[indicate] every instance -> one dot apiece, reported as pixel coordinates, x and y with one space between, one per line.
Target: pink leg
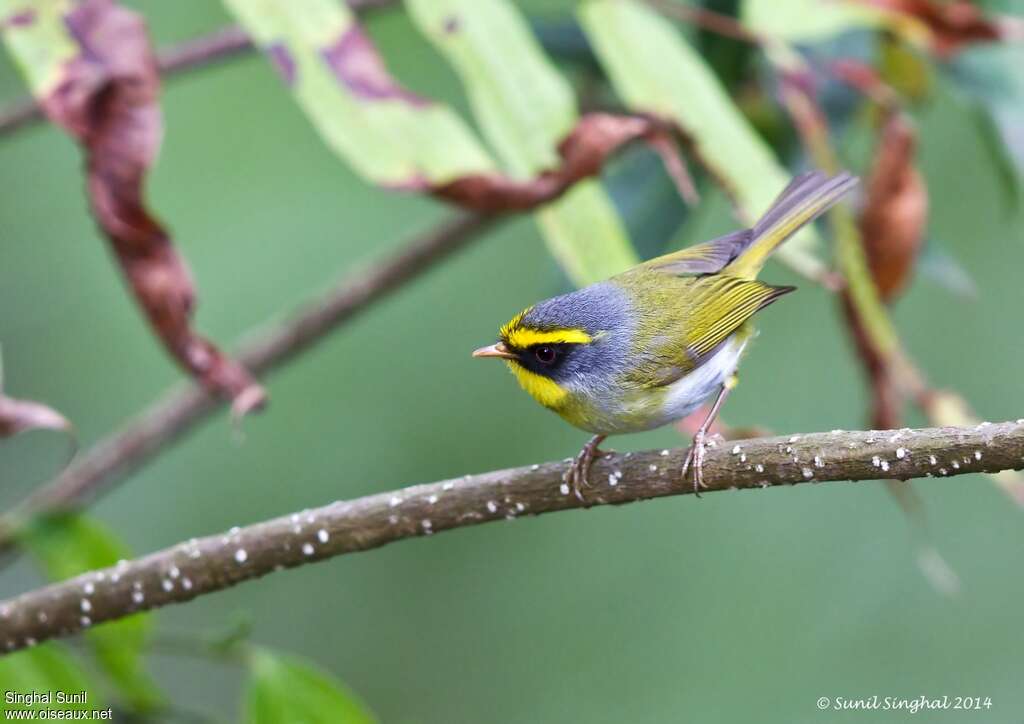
695 457
577 474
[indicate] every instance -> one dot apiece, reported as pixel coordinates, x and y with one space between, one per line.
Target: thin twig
202 566
185 405
223 44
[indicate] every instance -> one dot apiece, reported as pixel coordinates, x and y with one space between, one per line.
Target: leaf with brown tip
594 139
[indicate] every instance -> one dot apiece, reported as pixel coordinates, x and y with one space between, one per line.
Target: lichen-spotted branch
183 407
201 566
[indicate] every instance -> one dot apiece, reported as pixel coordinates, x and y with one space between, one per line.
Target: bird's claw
577 476
695 460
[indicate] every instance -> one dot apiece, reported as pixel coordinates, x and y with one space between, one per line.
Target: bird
649 346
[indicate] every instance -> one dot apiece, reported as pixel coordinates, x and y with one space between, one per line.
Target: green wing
685 320
722 305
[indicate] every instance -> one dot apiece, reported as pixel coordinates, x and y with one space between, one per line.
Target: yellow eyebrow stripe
521 337
512 324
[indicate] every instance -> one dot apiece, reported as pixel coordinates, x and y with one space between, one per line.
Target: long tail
806 198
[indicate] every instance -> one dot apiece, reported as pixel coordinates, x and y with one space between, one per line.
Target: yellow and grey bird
649 346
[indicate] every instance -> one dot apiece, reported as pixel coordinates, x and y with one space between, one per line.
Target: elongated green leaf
809 20
38 41
284 689
46 670
656 71
525 107
68 545
391 136
647 200
991 87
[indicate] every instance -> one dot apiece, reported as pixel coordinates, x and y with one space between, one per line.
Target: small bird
648 346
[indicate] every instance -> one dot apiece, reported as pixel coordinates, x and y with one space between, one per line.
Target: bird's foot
578 474
694 461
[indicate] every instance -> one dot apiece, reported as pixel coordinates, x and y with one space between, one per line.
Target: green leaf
655 71
809 20
991 89
996 132
285 689
44 669
647 200
389 135
525 108
39 42
67 545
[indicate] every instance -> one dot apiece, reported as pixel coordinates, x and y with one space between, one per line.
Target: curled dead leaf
107 99
950 25
22 415
895 214
594 139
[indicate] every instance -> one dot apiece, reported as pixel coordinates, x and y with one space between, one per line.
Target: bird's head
561 344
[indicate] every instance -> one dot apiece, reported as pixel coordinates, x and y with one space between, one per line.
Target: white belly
688 393
612 415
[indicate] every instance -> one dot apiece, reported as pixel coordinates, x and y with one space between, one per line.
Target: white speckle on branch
508 492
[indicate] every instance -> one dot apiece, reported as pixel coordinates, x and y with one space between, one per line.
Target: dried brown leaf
594 139
108 100
22 415
895 214
951 25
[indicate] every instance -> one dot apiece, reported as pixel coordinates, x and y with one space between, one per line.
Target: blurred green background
735 607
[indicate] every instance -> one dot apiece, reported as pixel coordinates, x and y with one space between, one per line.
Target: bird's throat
543 389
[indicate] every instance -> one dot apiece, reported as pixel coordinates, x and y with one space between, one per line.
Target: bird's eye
545 355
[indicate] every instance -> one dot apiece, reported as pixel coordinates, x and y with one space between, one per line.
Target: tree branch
201 566
184 406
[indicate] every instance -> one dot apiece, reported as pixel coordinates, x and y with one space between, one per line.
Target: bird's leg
695 456
577 474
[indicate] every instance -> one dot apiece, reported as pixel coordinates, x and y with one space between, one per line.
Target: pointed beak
494 350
